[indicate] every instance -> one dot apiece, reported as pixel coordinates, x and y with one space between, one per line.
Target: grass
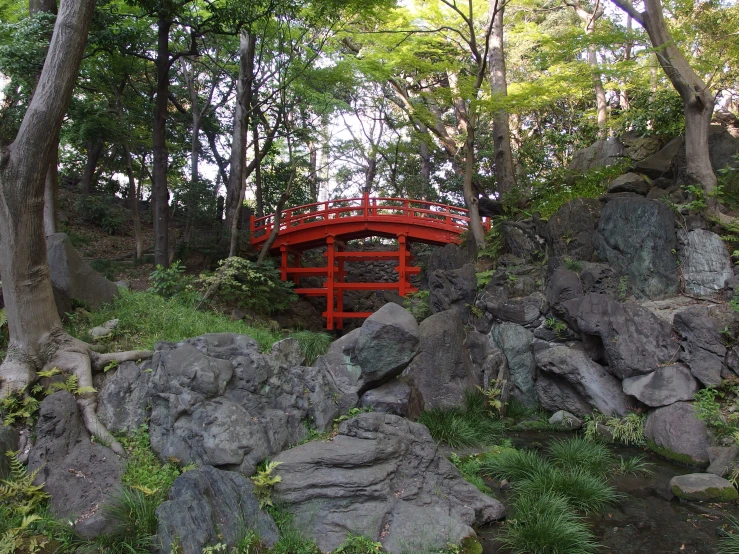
471 425
627 430
312 344
584 492
580 453
636 465
729 543
514 465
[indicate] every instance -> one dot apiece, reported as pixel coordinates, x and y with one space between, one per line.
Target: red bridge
333 223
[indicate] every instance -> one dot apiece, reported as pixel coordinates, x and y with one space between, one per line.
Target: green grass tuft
583 491
514 465
312 344
581 453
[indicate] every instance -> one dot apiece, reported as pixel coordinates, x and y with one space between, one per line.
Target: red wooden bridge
333 223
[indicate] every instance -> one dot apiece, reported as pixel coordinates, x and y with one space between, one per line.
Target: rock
452 289
217 400
388 341
520 239
123 397
664 386
635 340
341 364
676 433
703 349
78 474
629 182
522 311
301 314
660 164
637 238
288 352
448 258
599 278
562 286
208 506
491 361
602 153
104 330
638 148
396 397
565 419
8 443
703 486
569 231
554 394
723 459
704 261
515 342
381 477
601 390
73 279
722 147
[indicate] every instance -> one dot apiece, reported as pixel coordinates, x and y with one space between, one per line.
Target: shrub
312 344
170 281
418 305
102 211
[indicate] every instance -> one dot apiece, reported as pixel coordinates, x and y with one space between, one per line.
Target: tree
37 338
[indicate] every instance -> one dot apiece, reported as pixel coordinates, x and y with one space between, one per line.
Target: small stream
649 520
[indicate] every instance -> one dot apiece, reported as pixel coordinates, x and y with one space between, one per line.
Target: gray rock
562 286
569 231
381 477
217 400
388 341
104 330
288 352
77 473
396 397
602 153
660 164
635 340
554 394
341 364
515 342
207 506
703 486
522 311
442 371
599 278
723 459
704 261
73 279
703 349
448 258
124 396
521 240
629 182
678 434
8 443
601 390
636 236
664 386
452 289
565 419
638 148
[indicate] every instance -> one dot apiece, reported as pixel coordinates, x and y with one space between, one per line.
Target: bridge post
297 258
330 283
283 262
340 274
401 265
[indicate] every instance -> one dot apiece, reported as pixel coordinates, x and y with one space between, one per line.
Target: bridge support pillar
330 281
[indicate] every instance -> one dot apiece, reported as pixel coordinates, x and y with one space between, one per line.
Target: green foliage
102 211
557 325
312 344
18 491
471 425
249 285
264 481
291 540
483 278
470 467
18 407
623 288
135 524
418 304
355 544
514 465
635 465
493 244
573 265
628 430
171 281
713 406
728 183
580 453
729 543
654 113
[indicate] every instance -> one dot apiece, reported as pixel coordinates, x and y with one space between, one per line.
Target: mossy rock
703 486
470 545
676 457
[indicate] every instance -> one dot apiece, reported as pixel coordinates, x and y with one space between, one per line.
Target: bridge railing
420 212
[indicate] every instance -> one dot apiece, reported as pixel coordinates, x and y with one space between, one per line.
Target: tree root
71 356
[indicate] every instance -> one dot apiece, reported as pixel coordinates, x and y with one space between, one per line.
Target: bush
102 211
418 305
172 282
583 491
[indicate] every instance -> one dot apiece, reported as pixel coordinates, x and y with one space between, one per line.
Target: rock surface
381 477
602 153
452 289
703 486
207 506
704 261
678 434
555 393
723 459
123 397
660 164
515 342
78 474
569 231
566 420
563 285
396 397
664 386
8 443
637 238
629 182
702 348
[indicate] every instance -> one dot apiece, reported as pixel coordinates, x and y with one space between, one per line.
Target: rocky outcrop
217 400
207 506
703 486
80 475
637 238
341 363
521 240
702 348
555 393
396 397
602 153
635 340
452 289
629 182
522 311
598 388
515 342
123 397
676 433
383 478
704 262
562 286
723 459
662 387
569 231
659 164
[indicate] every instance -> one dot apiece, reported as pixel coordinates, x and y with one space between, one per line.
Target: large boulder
123 397
217 400
563 285
629 182
80 475
381 477
569 231
637 238
702 348
342 365
515 342
8 443
704 261
396 397
388 341
208 506
639 148
659 164
635 341
664 386
452 289
448 258
601 390
602 153
677 434
522 311
72 278
703 486
442 371
521 240
555 394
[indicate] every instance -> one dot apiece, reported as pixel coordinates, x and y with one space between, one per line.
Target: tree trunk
313 171
257 171
51 191
94 149
600 93
505 175
133 198
425 152
160 191
470 197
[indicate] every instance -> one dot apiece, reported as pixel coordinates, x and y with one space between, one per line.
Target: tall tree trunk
313 171
134 200
425 153
258 192
237 173
160 191
470 196
94 149
505 175
51 191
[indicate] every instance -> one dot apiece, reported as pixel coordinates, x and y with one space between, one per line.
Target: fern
18 406
19 491
3 318
70 385
15 539
263 483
